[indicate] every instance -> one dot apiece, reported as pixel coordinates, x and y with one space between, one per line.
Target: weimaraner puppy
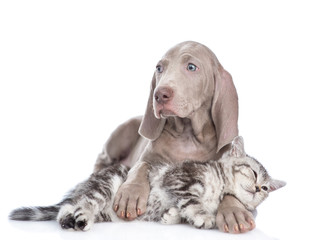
191 115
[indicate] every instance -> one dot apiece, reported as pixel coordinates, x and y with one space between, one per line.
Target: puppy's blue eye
159 68
192 67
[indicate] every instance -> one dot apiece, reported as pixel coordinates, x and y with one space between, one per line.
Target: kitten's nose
258 188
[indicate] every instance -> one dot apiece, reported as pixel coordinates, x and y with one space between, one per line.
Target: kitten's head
248 180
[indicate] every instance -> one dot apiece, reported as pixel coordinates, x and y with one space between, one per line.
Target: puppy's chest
185 149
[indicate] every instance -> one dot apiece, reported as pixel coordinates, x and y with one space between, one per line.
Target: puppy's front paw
235 220
131 200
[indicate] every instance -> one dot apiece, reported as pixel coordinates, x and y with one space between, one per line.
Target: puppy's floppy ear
151 127
224 107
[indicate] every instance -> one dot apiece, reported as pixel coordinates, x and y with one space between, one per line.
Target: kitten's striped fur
190 192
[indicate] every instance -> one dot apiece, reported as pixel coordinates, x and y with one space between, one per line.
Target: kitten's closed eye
246 171
255 174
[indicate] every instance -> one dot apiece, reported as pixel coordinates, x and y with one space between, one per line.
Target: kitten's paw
83 222
67 222
204 221
74 219
172 216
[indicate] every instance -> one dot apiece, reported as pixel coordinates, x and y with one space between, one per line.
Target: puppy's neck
198 125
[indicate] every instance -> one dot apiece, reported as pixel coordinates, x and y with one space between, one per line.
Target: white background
71 71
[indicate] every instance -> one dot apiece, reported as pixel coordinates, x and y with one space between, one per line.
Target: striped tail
35 213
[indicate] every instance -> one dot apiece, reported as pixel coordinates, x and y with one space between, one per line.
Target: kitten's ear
276 184
237 148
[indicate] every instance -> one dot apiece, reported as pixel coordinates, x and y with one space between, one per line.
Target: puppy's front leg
131 198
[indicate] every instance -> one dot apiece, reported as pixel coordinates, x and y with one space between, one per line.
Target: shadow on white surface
128 230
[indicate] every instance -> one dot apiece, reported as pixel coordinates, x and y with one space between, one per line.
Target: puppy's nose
163 95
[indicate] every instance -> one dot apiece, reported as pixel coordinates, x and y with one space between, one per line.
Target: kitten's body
190 191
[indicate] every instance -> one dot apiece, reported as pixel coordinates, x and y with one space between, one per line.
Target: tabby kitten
190 192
